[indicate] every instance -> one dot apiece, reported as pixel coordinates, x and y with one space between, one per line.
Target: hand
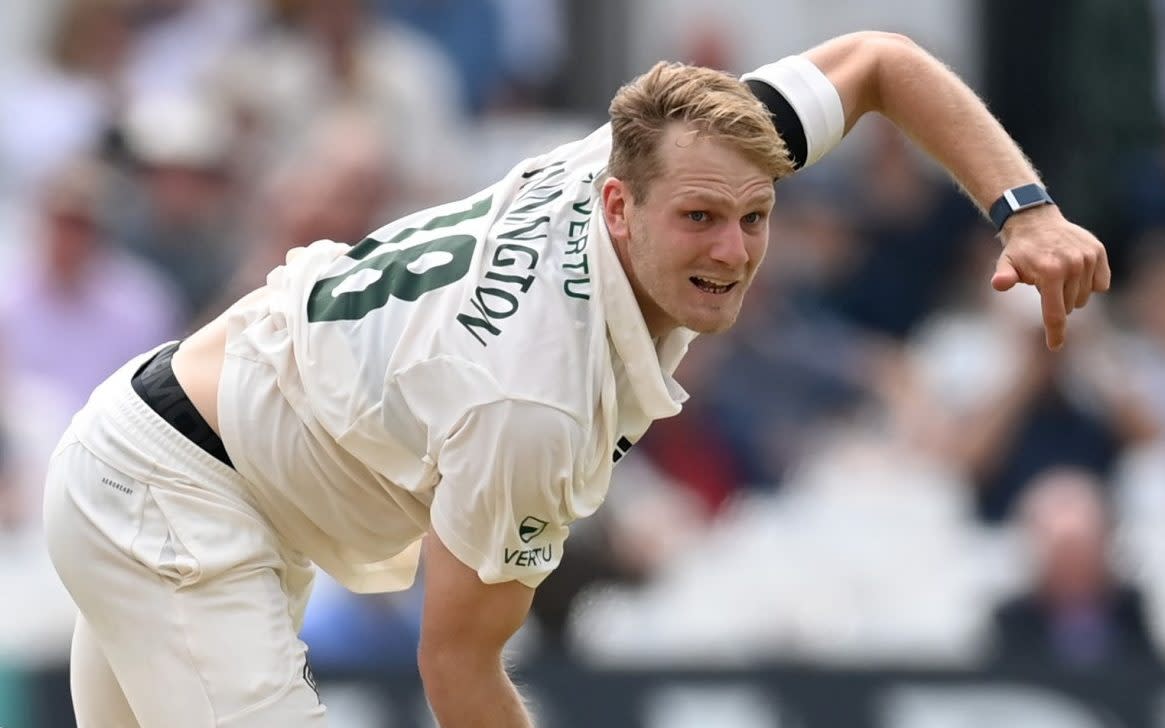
1065 262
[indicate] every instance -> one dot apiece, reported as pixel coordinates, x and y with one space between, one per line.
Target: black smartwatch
1018 199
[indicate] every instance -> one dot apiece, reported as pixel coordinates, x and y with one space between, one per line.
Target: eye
752 218
698 216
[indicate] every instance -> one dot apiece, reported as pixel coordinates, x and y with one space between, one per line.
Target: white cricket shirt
475 368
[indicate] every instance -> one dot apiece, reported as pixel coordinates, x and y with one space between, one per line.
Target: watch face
1028 195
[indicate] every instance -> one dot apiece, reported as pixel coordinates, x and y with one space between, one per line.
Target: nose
729 248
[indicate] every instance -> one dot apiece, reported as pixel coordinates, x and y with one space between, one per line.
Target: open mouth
708 286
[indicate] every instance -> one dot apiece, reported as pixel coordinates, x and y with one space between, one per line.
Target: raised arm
465 626
892 75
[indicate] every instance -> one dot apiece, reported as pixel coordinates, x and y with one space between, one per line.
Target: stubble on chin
717 323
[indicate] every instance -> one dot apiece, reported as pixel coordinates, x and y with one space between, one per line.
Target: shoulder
517 437
805 106
522 421
457 397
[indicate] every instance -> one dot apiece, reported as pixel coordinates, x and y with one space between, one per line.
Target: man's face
691 247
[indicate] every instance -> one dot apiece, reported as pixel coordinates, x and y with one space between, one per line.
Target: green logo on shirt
530 528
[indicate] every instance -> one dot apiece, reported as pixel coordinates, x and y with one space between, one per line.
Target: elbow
899 39
881 42
888 59
439 679
890 52
439 674
434 664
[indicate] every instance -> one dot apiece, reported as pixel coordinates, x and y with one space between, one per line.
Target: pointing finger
1055 316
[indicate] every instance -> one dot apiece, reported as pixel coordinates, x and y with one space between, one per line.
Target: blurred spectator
13 513
1077 612
180 41
23 26
1139 355
336 186
65 105
708 42
178 212
825 571
337 54
508 53
647 520
696 450
78 308
470 33
1069 52
534 48
992 399
914 227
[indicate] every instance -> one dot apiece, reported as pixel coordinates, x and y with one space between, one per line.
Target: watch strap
1018 199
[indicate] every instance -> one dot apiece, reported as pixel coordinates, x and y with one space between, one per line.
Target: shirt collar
649 366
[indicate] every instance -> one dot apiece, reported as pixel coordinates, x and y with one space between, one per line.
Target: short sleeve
818 112
502 503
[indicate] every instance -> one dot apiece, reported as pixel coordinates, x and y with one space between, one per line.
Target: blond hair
713 102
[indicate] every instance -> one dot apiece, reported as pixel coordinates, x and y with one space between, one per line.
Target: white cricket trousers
189 604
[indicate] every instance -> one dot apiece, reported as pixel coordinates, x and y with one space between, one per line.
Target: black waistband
156 384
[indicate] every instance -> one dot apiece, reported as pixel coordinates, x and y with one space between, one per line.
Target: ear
616 198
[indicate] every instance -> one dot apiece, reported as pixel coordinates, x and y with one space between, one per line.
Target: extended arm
892 75
500 518
465 626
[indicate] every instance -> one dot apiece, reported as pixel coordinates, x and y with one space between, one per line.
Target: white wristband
812 96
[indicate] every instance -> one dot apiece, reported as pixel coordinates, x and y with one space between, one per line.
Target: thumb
1005 275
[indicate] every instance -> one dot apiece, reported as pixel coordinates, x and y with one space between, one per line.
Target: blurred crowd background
881 464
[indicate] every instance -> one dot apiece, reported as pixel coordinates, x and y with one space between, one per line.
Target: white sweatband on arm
812 96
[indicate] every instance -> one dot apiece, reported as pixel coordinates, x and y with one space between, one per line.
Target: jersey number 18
402 273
